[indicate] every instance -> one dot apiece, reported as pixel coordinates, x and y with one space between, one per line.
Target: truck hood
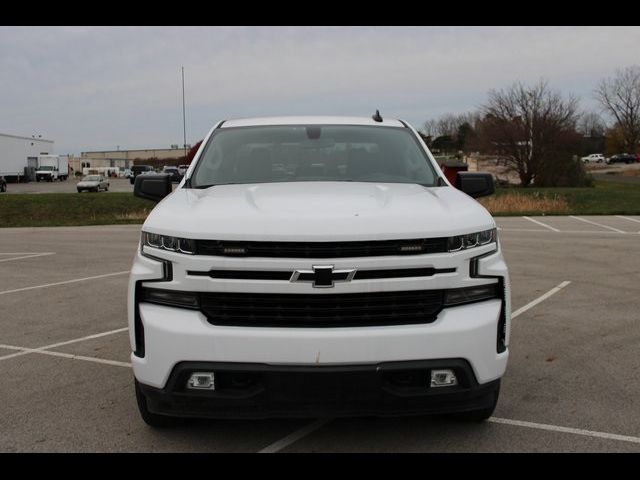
317 211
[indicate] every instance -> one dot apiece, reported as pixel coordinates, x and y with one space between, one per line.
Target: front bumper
174 335
170 336
264 391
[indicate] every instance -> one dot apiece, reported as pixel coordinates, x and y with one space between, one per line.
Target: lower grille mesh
322 310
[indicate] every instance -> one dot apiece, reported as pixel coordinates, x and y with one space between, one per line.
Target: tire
153 419
478 415
132 180
96 190
106 189
79 191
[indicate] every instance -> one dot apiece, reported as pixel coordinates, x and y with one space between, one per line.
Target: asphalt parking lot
572 383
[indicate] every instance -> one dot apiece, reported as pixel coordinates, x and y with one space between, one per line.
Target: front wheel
152 419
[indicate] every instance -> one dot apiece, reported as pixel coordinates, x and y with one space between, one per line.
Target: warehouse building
19 156
124 158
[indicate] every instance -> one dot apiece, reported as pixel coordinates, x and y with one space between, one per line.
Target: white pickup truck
317 266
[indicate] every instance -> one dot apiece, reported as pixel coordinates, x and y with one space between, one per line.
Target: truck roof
310 120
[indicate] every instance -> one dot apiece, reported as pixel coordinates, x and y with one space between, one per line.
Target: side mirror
475 184
152 187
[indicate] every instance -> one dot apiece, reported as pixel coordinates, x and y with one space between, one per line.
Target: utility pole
184 121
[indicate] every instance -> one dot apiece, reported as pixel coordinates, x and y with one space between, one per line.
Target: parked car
173 172
183 169
3 185
93 183
358 279
137 170
594 158
622 158
127 173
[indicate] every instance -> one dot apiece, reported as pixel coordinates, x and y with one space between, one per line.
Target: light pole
184 121
530 105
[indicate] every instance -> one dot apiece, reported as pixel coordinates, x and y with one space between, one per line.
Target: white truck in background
52 167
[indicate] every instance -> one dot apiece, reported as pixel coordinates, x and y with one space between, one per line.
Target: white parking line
295 436
597 224
628 218
20 253
25 350
531 230
541 298
542 224
24 289
24 255
574 431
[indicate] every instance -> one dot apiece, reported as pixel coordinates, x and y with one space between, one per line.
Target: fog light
443 378
201 381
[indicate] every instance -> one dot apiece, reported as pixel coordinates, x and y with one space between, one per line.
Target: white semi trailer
19 156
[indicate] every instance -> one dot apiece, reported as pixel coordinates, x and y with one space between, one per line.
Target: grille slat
313 310
321 249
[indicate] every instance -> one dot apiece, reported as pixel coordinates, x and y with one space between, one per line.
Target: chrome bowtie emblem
323 276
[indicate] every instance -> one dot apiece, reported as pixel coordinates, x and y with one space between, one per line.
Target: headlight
470 240
166 242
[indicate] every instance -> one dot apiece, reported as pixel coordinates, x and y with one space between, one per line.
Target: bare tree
448 124
532 126
430 128
591 125
454 130
620 97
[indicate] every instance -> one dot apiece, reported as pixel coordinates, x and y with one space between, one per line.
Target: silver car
93 183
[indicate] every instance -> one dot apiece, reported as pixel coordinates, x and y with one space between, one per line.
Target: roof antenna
376 117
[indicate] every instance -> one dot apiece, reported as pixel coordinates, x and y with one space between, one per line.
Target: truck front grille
325 310
417 246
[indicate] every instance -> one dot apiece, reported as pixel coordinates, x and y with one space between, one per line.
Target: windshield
301 153
91 178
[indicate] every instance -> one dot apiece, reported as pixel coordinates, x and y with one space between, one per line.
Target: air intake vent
342 310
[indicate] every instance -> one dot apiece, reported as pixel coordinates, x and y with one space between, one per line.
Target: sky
97 88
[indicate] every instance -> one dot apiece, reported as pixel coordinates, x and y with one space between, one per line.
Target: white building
19 155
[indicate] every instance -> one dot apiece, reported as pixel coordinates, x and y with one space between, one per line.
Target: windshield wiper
209 185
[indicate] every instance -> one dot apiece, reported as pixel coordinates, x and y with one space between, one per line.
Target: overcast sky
94 88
